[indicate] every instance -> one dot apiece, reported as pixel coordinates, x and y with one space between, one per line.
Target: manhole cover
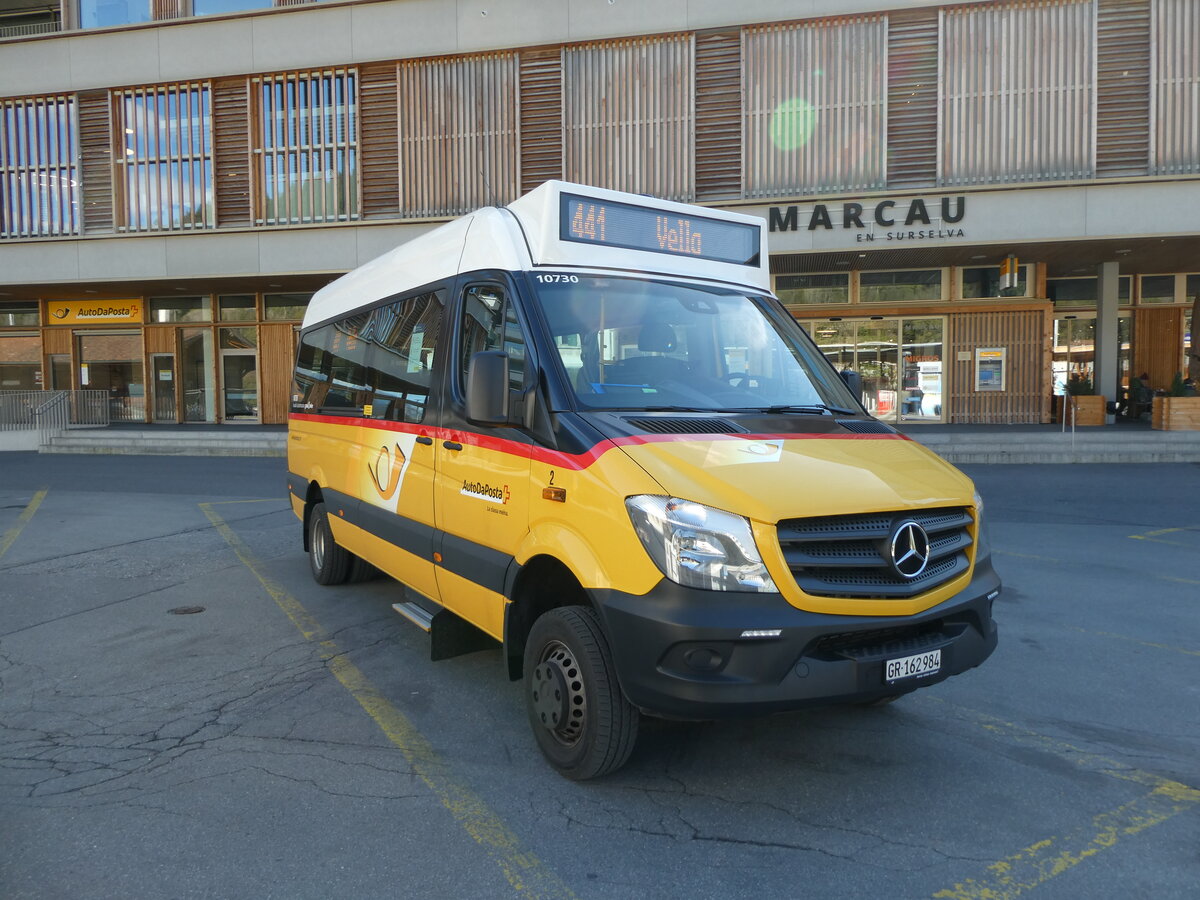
186 610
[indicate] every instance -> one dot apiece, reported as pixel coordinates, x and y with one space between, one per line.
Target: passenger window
403 338
374 364
491 324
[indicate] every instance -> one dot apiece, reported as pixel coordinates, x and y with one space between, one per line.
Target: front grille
850 556
866 426
665 425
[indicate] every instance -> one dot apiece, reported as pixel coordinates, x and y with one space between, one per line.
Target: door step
418 615
449 635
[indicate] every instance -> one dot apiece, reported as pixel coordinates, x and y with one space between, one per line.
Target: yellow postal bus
581 426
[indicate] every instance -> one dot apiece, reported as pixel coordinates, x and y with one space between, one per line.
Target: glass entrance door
899 359
239 385
162 375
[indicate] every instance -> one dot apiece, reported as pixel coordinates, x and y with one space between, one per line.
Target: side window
331 378
489 323
373 364
403 338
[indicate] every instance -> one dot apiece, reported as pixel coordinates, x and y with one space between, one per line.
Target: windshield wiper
814 409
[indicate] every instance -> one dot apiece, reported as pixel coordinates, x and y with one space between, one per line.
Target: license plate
913 666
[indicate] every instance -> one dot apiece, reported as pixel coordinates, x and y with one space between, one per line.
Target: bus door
482 494
397 439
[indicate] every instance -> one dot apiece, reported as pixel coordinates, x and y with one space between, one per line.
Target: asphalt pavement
184 713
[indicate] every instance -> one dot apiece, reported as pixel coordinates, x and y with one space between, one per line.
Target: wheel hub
556 687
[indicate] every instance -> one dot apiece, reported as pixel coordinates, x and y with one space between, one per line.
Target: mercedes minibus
580 428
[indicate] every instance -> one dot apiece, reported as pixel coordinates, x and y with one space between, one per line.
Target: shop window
39 167
112 362
892 287
165 169
984 282
285 307
237 308
804 290
18 314
20 362
306 143
1075 292
239 338
180 309
1158 289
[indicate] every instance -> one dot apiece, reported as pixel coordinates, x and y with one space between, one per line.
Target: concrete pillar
1107 372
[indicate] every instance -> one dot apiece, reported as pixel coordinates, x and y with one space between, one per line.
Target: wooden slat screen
541 134
1123 88
96 161
458 134
719 115
56 341
159 339
379 146
275 363
231 153
1026 397
628 115
1157 339
815 115
912 119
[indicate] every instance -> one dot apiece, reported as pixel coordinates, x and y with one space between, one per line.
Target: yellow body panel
491 495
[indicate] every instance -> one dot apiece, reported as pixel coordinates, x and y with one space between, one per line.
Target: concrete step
1092 445
176 442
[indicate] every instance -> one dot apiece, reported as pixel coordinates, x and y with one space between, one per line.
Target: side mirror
487 388
854 382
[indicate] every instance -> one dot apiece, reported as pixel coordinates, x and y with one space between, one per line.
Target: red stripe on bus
573 460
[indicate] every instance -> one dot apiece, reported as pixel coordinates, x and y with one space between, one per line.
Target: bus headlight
698 546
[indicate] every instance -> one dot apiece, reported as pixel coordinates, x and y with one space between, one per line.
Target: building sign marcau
890 220
84 312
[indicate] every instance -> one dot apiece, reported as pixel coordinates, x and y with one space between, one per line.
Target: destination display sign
588 220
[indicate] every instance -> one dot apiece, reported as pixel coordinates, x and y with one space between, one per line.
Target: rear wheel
330 563
582 722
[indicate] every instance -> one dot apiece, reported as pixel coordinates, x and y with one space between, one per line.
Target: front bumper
681 653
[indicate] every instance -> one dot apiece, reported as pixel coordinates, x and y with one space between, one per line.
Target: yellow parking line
1122 637
1035 865
1038 863
524 872
22 520
1156 536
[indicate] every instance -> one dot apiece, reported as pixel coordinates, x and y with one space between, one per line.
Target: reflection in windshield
629 343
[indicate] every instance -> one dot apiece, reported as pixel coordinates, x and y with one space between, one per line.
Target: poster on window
990 365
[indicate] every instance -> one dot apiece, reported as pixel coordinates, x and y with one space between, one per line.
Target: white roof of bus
518 237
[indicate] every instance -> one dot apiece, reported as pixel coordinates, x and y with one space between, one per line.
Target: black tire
582 722
330 563
360 570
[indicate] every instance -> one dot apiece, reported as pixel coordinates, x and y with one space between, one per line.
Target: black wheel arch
541 584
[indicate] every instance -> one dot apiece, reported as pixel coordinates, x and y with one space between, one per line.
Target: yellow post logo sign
86 312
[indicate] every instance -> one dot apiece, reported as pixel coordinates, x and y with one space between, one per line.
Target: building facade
970 204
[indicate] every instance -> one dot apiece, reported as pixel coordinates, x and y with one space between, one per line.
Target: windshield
636 344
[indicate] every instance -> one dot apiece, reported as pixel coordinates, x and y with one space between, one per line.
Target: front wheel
582 722
329 562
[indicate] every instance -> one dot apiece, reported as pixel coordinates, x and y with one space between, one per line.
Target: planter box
1175 414
1090 409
